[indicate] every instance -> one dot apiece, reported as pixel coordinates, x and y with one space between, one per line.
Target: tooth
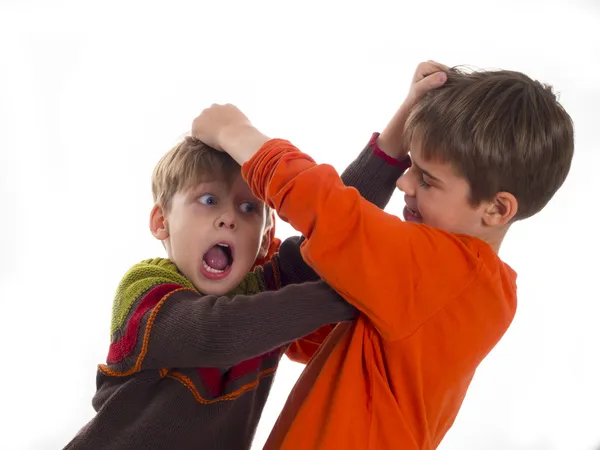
210 269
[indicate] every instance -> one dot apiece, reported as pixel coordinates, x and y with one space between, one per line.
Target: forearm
242 142
391 140
374 173
186 329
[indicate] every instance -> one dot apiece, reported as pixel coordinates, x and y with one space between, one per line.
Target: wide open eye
247 207
208 199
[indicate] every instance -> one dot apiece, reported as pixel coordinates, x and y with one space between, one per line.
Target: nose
226 224
406 183
226 221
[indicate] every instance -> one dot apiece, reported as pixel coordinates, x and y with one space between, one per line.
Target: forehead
234 184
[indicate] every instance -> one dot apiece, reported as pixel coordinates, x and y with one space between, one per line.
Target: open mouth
217 261
411 215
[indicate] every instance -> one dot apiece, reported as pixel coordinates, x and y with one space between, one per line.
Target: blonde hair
188 164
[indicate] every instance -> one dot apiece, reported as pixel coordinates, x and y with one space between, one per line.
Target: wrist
391 146
242 141
403 162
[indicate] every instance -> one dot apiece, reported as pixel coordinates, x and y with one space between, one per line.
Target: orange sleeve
397 273
301 350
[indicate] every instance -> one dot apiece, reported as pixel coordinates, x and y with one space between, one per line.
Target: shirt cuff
404 164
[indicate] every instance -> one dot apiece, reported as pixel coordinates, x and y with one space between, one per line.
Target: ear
158 223
500 210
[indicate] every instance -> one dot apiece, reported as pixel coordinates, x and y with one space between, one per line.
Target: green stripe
139 280
149 273
252 283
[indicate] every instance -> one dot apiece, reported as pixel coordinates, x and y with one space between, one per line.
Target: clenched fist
428 75
213 124
226 128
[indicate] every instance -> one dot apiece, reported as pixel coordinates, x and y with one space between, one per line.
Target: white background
93 93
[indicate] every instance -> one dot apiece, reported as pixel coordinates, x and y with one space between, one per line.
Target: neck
495 238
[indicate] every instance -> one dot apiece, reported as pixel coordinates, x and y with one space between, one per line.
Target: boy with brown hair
195 338
487 149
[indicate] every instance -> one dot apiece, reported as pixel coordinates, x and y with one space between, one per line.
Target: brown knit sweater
192 371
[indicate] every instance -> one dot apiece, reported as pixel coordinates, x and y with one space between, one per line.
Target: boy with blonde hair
488 148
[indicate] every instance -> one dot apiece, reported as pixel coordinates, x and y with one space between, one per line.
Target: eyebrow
210 185
425 172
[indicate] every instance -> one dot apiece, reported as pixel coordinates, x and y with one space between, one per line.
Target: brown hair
189 163
500 130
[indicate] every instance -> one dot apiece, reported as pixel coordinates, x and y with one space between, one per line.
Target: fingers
213 122
439 65
429 75
428 83
427 68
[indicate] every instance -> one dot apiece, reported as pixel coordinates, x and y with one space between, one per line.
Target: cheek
251 239
188 234
425 202
436 210
179 230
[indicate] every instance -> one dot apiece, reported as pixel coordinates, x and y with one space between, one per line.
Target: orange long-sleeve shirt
434 305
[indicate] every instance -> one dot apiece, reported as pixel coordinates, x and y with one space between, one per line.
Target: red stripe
123 347
212 379
244 368
403 164
248 366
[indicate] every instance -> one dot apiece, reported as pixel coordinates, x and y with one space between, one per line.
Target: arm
287 268
375 260
373 173
161 323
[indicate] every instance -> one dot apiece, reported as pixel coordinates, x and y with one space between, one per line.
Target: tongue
216 258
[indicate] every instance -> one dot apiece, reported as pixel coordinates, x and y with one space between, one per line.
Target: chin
222 290
227 284
208 287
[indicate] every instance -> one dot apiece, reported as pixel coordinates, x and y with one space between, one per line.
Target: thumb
433 81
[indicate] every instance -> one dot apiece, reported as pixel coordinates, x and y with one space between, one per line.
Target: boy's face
437 196
213 233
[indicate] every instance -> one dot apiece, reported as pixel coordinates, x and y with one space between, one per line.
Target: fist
215 122
428 75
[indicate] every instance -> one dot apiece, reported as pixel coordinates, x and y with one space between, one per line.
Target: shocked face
215 233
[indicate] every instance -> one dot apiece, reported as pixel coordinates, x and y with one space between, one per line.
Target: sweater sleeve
161 321
397 273
374 175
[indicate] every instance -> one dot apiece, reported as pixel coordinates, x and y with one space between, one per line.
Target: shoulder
492 264
142 279
495 286
153 271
